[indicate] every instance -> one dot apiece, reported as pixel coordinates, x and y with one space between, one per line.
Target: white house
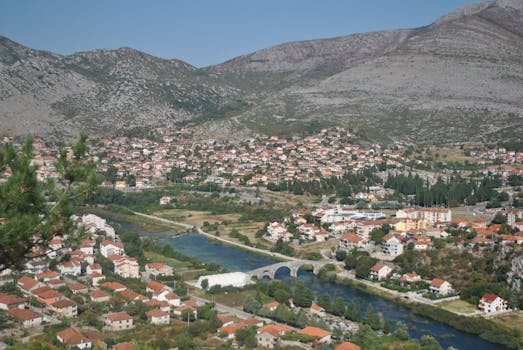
440 287
108 248
27 317
71 267
351 241
380 271
158 317
392 245
73 338
490 303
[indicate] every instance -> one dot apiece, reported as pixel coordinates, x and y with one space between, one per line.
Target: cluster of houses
497 154
82 276
259 160
489 235
271 335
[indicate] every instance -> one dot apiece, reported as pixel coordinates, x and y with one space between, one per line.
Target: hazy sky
203 32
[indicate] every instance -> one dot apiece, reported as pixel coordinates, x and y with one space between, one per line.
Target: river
198 246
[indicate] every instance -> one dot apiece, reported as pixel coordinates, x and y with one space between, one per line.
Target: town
98 281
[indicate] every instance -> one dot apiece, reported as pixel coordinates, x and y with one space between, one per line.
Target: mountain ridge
457 79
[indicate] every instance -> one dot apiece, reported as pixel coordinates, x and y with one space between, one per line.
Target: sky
203 32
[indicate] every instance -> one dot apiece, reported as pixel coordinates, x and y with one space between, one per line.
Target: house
322 236
270 335
65 308
27 284
29 318
317 310
55 284
118 321
96 278
47 295
76 288
87 248
162 305
156 288
71 267
347 346
8 302
158 317
440 287
158 269
410 277
351 241
94 268
271 306
422 243
391 245
165 200
125 266
99 296
73 338
108 248
379 272
114 286
169 297
322 335
189 305
225 320
47 276
491 303
133 296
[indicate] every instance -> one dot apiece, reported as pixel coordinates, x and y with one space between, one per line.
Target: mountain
457 79
101 90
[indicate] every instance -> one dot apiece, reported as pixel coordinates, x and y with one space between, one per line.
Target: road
208 235
224 308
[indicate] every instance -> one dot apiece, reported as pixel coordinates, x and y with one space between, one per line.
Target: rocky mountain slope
458 79
102 90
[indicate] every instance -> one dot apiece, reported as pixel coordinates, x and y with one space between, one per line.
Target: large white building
232 279
431 216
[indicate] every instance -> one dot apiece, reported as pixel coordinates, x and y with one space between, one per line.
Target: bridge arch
294 266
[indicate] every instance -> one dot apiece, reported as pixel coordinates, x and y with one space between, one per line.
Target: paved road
243 246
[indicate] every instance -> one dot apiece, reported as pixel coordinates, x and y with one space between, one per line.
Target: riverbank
485 329
258 251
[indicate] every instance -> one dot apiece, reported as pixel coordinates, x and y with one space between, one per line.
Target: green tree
338 307
324 300
352 312
401 332
33 212
303 296
246 336
372 318
251 305
205 284
341 255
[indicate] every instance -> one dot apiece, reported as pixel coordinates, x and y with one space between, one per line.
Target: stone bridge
294 266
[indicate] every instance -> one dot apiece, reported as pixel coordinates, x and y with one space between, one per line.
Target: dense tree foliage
345 186
456 190
33 212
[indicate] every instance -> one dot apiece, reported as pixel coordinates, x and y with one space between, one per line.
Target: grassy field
235 299
513 320
177 264
460 306
462 213
195 218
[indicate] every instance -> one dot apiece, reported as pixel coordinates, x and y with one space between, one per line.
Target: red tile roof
314 332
